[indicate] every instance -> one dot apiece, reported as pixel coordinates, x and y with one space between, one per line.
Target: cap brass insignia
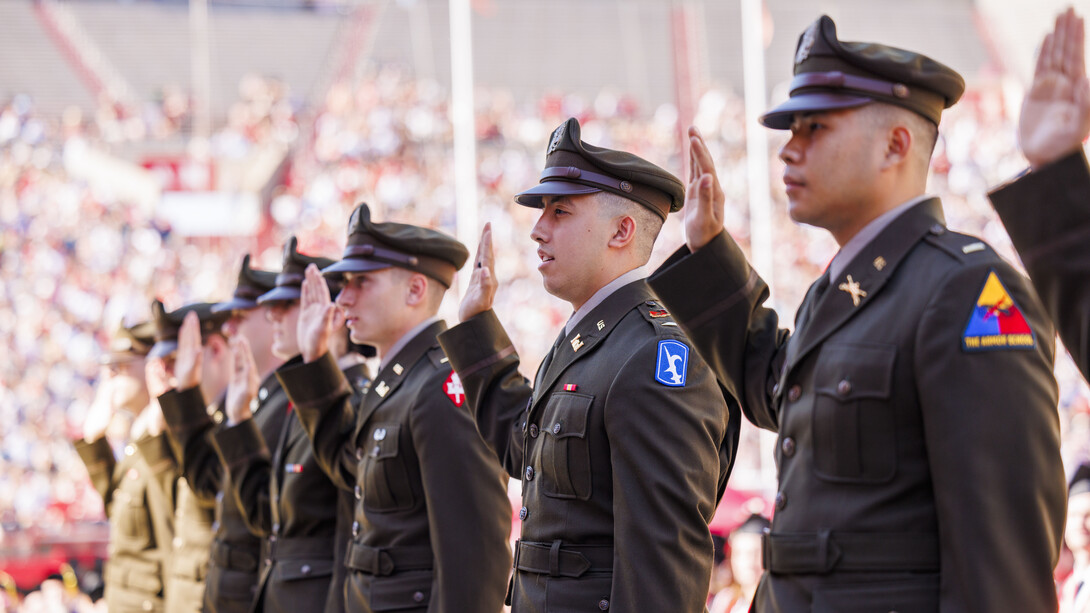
852 287
807 43
555 142
576 343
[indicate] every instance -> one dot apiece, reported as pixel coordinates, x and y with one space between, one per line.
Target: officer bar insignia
672 364
996 321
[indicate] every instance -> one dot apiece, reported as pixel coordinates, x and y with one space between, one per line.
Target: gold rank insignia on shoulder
576 343
382 389
398 369
852 287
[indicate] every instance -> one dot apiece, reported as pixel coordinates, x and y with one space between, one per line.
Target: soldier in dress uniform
235 554
136 504
285 497
1047 211
625 442
432 518
193 516
919 448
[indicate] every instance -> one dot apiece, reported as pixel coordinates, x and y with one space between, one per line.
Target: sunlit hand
101 410
187 362
704 199
1056 113
316 313
159 379
481 291
242 389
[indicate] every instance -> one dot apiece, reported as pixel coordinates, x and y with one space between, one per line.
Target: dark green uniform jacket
141 521
1047 214
624 446
232 568
919 449
194 516
432 518
287 499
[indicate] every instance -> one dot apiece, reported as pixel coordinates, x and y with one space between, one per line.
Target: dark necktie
545 363
813 298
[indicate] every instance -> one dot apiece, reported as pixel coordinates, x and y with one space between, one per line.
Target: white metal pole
200 67
465 146
753 64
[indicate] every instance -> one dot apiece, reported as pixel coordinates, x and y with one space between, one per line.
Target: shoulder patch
452 387
672 363
996 321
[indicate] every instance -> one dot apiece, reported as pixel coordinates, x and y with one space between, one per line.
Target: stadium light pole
465 133
200 69
753 79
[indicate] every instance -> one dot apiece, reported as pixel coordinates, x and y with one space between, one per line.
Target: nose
789 153
345 297
538 233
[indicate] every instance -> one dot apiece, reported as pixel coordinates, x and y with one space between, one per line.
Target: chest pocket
130 514
383 476
854 427
565 454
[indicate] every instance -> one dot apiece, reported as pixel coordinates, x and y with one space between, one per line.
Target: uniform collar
599 296
869 232
404 340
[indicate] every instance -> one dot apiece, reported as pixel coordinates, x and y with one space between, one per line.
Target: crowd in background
76 258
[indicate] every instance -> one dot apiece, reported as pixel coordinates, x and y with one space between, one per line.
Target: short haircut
925 134
648 222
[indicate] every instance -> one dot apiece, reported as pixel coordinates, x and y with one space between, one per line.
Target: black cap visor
282 293
780 118
351 264
534 196
234 304
162 349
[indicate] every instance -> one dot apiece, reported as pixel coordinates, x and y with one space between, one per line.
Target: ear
899 144
417 290
624 232
217 348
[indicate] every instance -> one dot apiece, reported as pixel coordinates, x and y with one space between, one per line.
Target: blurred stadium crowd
76 258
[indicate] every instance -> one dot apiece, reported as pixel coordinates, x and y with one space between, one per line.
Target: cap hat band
838 80
289 278
247 292
569 173
372 252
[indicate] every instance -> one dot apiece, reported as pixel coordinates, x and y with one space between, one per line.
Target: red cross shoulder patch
454 390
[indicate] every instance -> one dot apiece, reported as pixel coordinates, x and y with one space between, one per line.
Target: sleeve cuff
156 452
240 443
185 412
689 284
97 455
475 343
313 384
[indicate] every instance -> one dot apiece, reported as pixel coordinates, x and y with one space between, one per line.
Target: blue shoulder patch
673 363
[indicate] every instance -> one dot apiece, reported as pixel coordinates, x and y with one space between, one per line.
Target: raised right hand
242 389
704 199
188 360
1056 112
316 311
481 291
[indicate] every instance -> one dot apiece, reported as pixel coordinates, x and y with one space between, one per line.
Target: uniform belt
232 557
279 548
826 551
558 559
384 561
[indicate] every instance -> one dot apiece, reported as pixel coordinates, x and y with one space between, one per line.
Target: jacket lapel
864 277
394 373
586 335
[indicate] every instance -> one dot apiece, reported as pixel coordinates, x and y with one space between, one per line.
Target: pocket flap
567 415
293 570
852 371
382 442
401 592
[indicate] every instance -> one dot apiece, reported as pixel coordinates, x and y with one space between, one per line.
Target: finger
1077 54
306 295
189 335
328 315
487 255
338 317
1059 43
321 288
249 362
704 156
693 172
1043 57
